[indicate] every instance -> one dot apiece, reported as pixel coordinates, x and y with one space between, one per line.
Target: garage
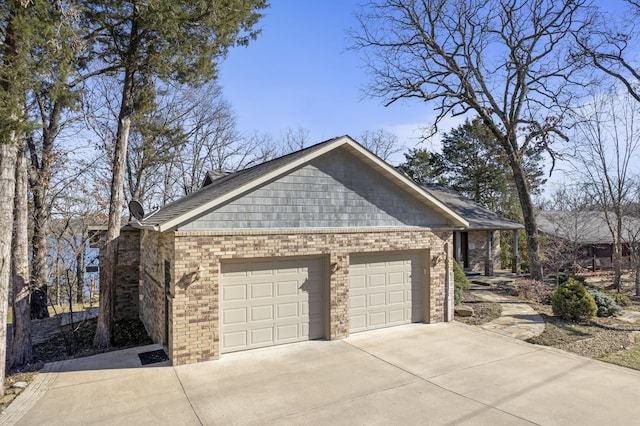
385 289
270 302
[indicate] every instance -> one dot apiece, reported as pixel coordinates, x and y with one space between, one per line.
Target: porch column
515 261
458 240
488 263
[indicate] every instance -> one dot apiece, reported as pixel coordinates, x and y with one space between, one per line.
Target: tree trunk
39 177
528 213
8 155
39 249
637 265
108 262
617 250
21 350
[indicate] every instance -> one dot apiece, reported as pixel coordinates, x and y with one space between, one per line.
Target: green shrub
562 278
571 302
621 299
460 281
607 306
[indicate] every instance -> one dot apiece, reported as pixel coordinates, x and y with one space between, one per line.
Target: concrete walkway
518 320
437 374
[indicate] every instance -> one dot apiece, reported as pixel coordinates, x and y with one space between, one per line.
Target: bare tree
503 60
21 351
294 139
382 143
611 47
606 142
631 231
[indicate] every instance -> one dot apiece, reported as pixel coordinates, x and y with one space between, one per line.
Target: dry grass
56 310
627 358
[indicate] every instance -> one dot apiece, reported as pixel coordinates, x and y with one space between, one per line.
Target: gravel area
595 339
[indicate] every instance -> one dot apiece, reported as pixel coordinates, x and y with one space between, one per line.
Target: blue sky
298 73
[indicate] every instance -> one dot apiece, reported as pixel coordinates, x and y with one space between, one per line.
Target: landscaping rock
21 385
464 311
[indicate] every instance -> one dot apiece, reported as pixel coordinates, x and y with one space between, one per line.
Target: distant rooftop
584 227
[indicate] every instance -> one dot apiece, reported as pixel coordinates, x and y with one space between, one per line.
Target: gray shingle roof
583 227
224 185
479 218
235 185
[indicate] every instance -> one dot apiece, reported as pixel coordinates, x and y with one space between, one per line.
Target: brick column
488 263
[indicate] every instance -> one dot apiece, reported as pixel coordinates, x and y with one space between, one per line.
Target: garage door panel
260 269
288 288
397 296
236 339
262 313
377 280
396 278
377 299
234 316
288 310
288 333
358 282
236 292
270 302
261 336
262 290
384 289
359 301
358 322
397 316
377 318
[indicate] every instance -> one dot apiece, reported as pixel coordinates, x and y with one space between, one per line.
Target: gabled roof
211 176
227 188
479 217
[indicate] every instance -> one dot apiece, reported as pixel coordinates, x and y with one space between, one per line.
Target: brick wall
127 275
194 311
156 264
478 255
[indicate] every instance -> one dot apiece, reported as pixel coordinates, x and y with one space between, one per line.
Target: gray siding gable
335 190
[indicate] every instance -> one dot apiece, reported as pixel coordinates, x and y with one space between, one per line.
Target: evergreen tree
143 42
473 163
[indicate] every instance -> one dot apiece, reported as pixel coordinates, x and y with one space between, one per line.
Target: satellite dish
136 210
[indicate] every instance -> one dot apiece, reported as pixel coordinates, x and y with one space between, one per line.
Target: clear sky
298 73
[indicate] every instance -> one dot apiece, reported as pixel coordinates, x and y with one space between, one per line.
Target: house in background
477 247
585 238
318 244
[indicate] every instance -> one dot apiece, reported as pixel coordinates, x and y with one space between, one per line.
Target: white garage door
270 302
385 289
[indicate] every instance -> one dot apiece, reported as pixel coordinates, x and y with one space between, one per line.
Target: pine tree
178 41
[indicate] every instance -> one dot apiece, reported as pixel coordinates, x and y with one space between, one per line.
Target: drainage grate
153 357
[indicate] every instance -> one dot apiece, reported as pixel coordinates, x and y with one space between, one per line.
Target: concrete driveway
415 374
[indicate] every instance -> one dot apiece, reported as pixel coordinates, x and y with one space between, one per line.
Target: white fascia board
174 223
